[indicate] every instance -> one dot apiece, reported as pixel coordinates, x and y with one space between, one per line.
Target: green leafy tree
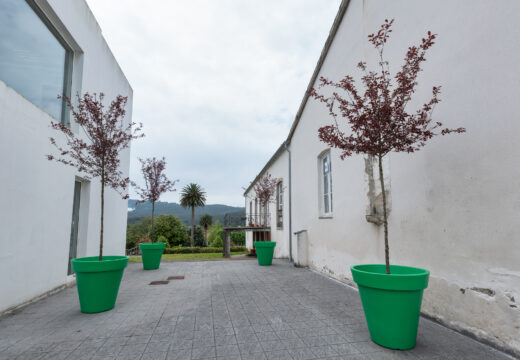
192 195
198 236
138 231
162 239
205 221
238 238
172 229
216 234
133 234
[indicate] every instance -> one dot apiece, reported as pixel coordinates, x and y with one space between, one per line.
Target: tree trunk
153 211
205 235
385 215
192 224
102 215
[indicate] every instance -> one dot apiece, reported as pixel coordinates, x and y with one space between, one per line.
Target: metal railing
258 220
250 220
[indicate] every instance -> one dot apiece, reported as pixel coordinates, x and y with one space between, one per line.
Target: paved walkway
221 310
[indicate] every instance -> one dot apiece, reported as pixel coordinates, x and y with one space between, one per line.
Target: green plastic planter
152 254
264 252
98 281
392 302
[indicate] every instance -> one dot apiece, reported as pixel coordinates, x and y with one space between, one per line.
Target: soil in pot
151 254
392 302
98 281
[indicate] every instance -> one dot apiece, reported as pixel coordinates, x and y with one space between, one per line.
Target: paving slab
220 310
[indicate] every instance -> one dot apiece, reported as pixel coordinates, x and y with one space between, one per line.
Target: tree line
170 230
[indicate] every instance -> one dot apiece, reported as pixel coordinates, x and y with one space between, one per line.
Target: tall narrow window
256 213
34 59
250 216
279 204
326 184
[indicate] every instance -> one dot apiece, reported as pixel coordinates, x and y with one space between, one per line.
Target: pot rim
264 244
407 278
155 245
92 263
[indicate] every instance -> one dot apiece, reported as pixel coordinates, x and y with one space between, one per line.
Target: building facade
49 212
454 205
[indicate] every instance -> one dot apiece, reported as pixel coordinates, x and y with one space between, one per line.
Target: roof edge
273 158
332 34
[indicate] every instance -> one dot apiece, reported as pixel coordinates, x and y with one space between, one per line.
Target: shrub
162 239
172 229
198 235
238 238
145 240
201 250
137 231
216 235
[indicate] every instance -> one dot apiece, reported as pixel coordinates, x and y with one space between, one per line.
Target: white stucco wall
455 204
37 194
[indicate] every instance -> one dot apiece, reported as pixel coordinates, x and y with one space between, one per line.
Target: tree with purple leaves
97 156
156 183
378 118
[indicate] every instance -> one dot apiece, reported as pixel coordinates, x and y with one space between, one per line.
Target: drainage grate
160 282
175 277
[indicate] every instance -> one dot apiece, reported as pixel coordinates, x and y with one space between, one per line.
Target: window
279 204
34 59
256 212
325 184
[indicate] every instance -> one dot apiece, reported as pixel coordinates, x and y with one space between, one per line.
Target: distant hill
137 211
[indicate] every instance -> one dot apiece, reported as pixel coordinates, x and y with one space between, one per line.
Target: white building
455 205
48 213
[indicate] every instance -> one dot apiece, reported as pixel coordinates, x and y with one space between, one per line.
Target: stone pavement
221 310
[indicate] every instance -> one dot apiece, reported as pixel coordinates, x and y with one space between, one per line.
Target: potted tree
156 184
379 123
98 277
264 190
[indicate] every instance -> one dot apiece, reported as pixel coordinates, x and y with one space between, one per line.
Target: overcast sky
216 83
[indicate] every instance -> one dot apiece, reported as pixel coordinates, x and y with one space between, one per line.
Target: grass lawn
176 257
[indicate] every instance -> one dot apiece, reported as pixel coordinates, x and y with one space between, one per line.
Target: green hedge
204 250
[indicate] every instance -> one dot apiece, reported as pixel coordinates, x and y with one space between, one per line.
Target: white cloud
216 83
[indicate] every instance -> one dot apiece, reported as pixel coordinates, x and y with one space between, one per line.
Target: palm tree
205 221
192 195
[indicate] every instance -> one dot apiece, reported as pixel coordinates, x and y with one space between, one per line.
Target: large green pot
392 302
152 253
264 252
98 281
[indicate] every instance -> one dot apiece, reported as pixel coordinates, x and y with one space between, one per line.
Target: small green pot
98 281
152 254
392 302
264 252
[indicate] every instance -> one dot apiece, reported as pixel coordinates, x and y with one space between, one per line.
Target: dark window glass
33 60
279 207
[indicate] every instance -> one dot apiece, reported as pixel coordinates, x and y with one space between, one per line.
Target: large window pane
32 59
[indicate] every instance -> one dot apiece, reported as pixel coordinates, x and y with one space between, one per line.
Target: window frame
68 64
279 204
325 178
